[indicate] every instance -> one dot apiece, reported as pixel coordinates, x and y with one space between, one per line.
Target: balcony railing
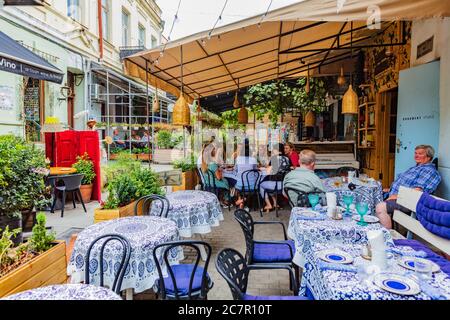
128 51
24 2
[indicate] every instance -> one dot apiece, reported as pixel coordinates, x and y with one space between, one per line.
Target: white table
143 233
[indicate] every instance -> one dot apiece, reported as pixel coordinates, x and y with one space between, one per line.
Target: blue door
418 112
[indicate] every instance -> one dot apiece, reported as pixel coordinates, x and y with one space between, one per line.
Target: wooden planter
46 269
86 192
188 181
144 157
167 156
101 215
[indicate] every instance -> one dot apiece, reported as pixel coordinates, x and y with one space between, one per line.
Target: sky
199 15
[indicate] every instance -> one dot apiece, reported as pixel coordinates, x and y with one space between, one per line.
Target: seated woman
243 163
279 165
209 163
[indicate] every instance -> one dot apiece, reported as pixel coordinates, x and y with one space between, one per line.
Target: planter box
188 181
114 156
101 215
46 269
144 157
167 156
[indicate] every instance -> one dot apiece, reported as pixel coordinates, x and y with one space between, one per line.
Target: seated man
303 178
118 140
423 177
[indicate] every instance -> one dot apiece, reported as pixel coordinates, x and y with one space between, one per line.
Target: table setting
345 272
143 233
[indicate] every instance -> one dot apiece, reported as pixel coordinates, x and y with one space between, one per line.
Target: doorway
70 99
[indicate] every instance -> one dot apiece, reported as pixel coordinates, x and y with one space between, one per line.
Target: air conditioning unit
98 92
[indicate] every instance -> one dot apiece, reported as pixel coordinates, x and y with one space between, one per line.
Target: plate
396 283
408 263
309 214
367 218
335 256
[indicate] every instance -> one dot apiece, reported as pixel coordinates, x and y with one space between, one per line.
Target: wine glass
362 208
313 199
348 200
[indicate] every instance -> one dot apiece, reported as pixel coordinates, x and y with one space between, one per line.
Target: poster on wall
6 98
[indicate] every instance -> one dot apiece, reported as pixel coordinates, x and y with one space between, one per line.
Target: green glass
362 209
313 199
348 200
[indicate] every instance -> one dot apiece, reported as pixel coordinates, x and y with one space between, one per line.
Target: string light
265 14
215 24
175 19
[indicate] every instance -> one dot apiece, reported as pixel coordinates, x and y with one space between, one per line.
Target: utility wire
170 32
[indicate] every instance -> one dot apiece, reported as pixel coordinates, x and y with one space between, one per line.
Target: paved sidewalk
227 235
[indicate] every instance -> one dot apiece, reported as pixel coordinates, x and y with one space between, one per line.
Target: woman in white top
244 162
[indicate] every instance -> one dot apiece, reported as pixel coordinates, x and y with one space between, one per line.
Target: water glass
423 268
348 200
362 209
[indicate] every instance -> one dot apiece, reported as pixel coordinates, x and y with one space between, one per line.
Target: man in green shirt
303 178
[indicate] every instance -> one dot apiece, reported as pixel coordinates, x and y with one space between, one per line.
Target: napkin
409 253
336 267
431 291
378 247
321 217
331 199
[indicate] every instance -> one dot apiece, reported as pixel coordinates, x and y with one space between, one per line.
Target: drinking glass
422 268
348 200
362 208
313 200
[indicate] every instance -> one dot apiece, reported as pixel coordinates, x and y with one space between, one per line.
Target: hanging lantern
196 106
243 116
307 87
155 107
181 113
310 119
236 101
350 102
341 79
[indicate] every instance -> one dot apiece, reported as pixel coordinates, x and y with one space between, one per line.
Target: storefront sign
6 98
12 66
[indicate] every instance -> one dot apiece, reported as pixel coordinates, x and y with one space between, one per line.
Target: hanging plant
314 100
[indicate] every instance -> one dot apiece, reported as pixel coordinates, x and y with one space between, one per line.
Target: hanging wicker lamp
243 116
350 102
236 101
307 87
181 113
310 119
341 79
155 107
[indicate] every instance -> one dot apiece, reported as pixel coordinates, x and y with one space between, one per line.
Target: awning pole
149 143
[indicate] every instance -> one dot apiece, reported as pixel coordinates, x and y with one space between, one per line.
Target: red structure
70 144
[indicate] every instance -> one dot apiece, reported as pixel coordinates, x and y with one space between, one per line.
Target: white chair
409 198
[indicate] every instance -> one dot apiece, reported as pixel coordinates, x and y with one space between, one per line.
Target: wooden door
70 99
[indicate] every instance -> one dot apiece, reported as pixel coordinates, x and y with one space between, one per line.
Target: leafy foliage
167 140
22 171
6 244
86 167
147 182
123 188
185 165
41 240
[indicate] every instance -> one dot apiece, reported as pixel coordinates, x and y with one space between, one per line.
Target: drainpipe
100 28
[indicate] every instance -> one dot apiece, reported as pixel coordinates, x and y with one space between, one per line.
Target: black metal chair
250 189
184 281
302 197
124 263
146 202
201 179
234 269
276 191
210 185
265 251
70 183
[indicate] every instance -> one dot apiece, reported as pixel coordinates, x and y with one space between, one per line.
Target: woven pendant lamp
155 106
181 113
243 116
307 87
236 101
350 99
341 79
310 119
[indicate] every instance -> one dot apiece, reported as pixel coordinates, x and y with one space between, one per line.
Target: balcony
130 50
24 2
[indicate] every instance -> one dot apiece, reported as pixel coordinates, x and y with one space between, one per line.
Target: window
125 28
74 9
154 42
105 19
141 36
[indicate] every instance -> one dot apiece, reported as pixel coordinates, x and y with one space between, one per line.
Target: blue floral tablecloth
370 192
66 292
143 233
329 284
328 231
193 211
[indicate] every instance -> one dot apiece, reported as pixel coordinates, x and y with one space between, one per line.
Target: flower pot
86 192
28 220
136 128
188 181
144 157
13 223
101 214
48 268
125 128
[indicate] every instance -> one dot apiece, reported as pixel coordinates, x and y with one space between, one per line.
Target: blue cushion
182 274
263 252
434 215
431 255
250 297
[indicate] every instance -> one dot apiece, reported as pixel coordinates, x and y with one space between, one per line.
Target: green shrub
167 140
123 188
185 165
6 246
41 240
22 171
147 182
86 167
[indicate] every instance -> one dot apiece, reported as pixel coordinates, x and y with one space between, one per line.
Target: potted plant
85 167
124 189
101 125
22 188
41 261
166 152
124 126
188 175
144 154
